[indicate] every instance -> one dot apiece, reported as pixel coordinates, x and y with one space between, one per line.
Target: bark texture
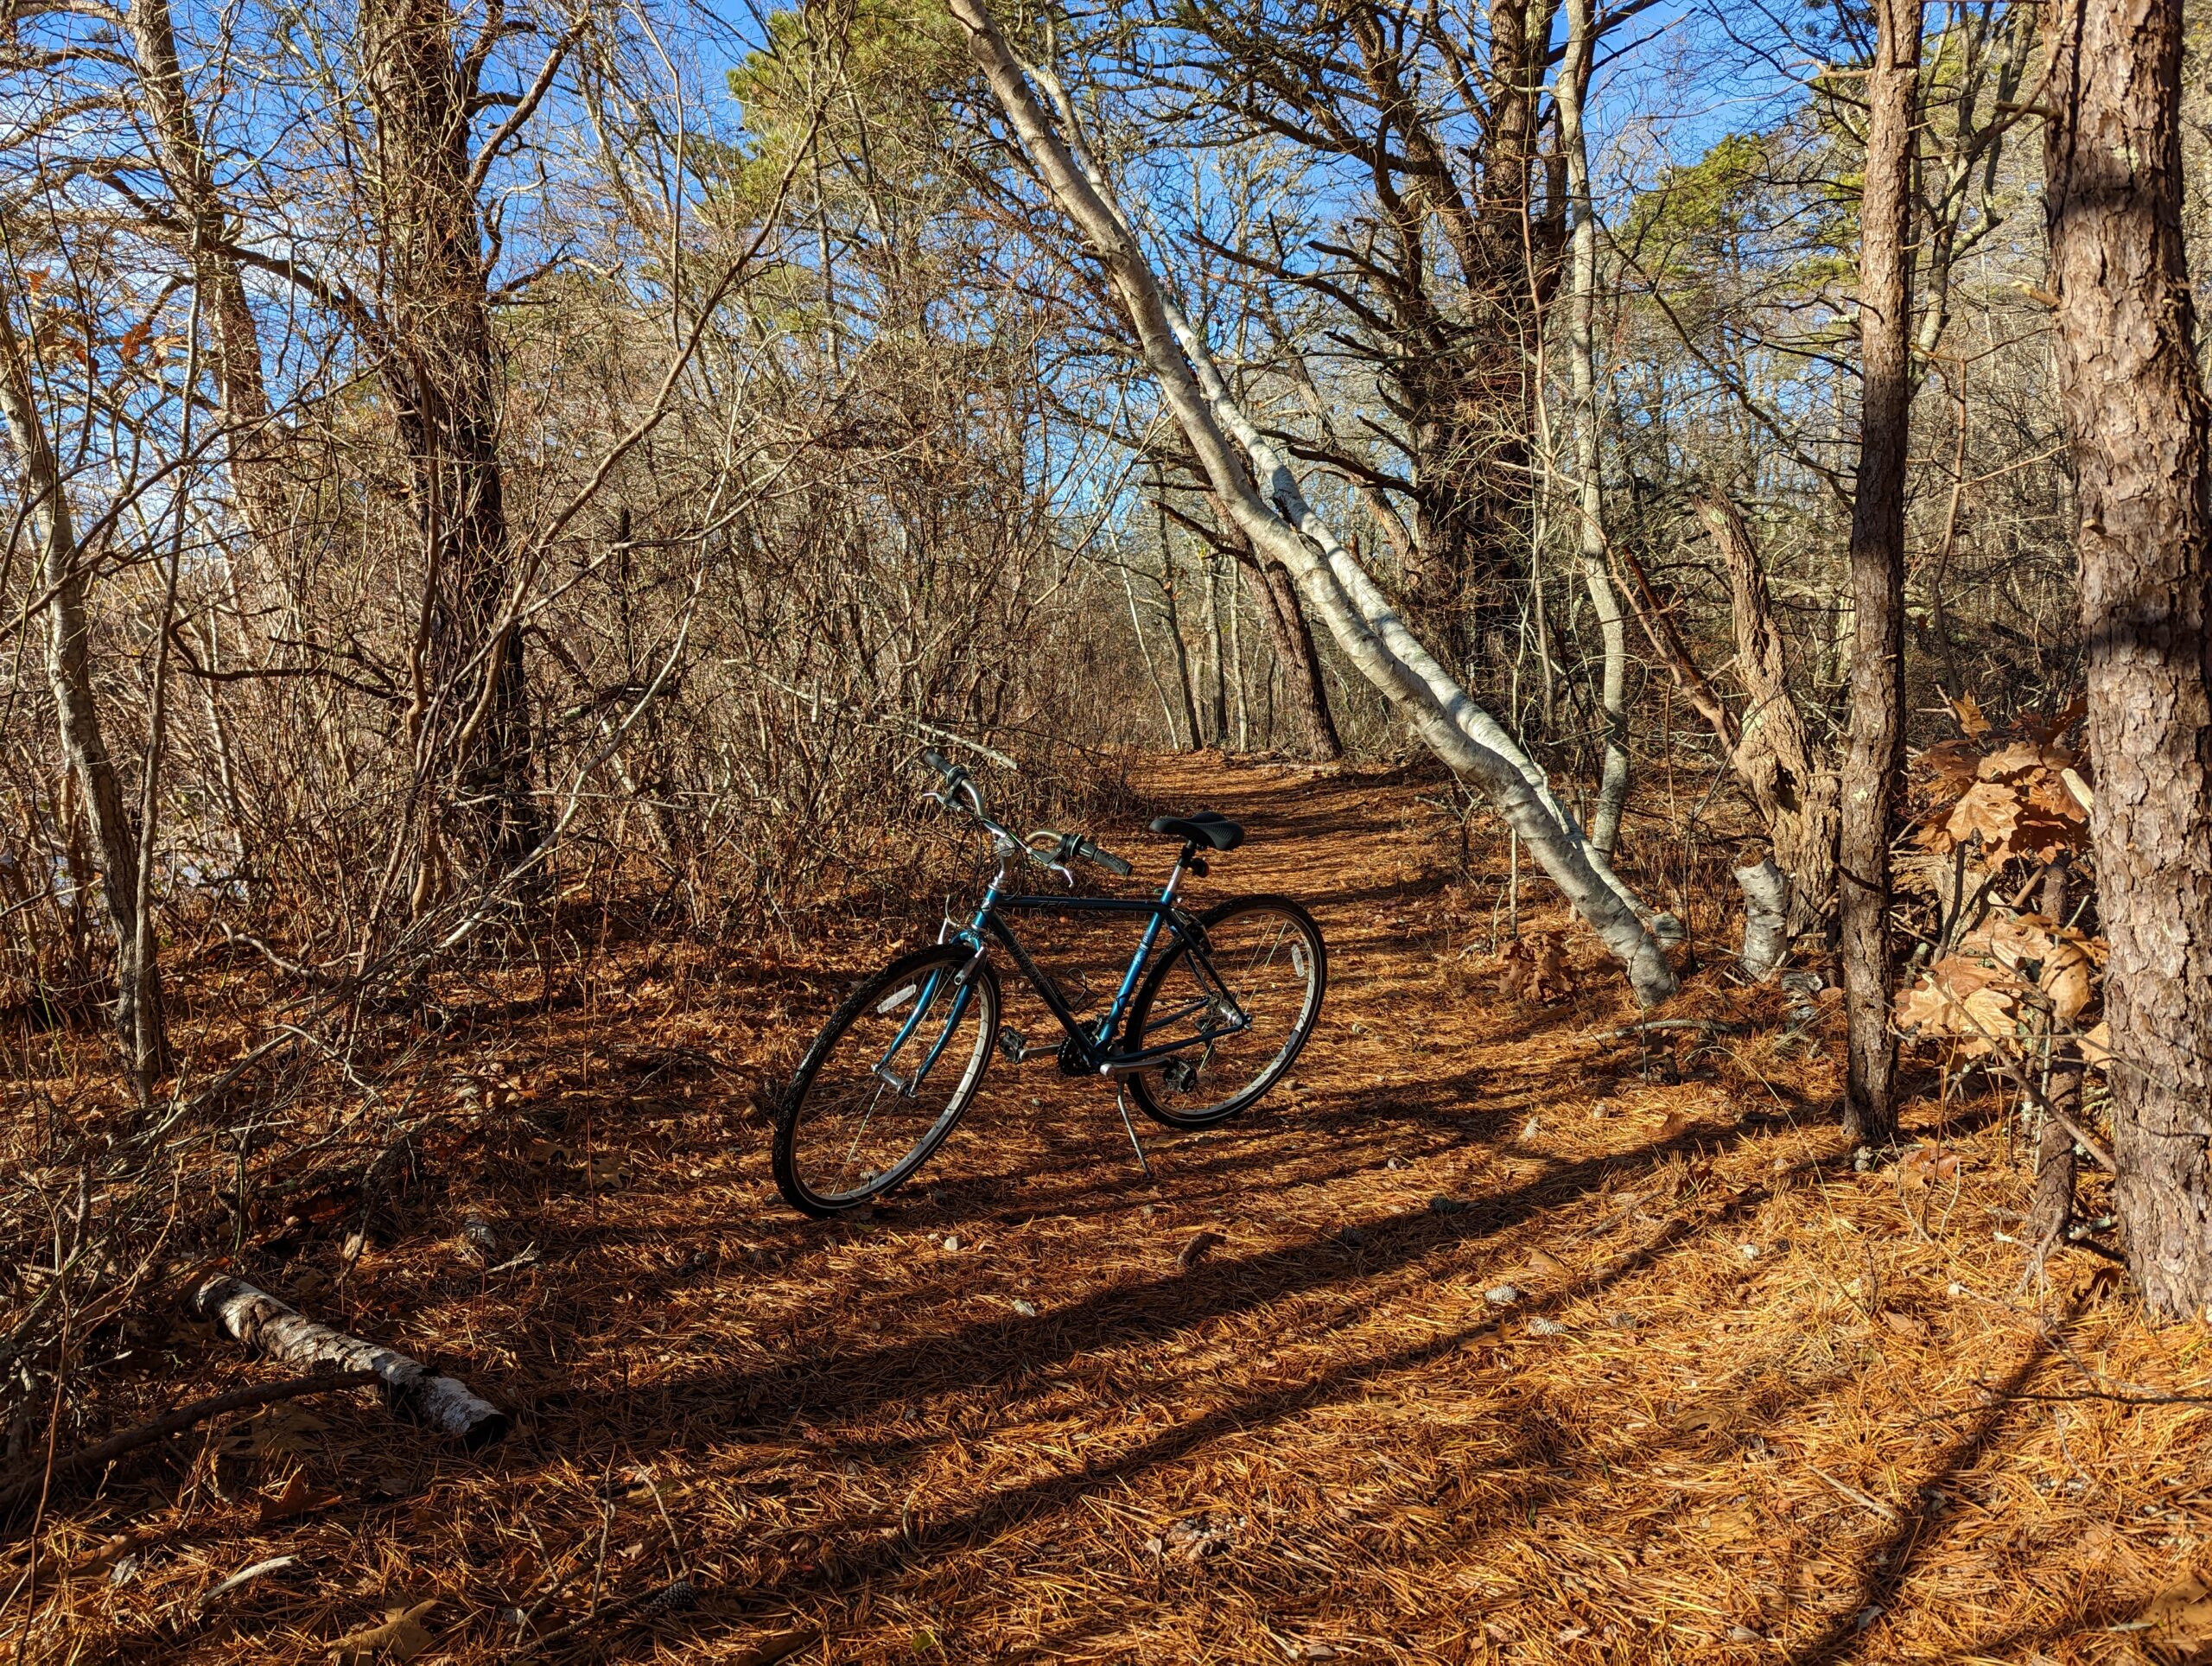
269 1326
439 365
2134 405
1874 755
1793 788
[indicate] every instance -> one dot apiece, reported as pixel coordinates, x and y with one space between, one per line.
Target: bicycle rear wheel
886 1081
1252 997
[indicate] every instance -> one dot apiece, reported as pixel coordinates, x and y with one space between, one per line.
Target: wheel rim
1271 971
858 1133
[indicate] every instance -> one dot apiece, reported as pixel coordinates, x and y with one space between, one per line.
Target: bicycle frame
1093 1041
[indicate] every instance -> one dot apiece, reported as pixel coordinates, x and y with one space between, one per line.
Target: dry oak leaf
1536 969
401 1637
2179 1623
1989 808
298 1498
2052 798
2025 758
2096 1045
2042 834
1929 1165
1540 1265
2062 960
1958 762
1969 714
1961 998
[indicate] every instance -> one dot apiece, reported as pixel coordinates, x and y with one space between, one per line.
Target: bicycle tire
879 998
1150 1087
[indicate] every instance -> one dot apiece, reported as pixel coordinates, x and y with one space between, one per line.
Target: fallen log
267 1325
15 1494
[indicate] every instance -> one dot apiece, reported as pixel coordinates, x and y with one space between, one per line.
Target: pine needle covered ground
1511 1339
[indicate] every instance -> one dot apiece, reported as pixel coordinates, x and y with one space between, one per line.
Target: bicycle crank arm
1020 1052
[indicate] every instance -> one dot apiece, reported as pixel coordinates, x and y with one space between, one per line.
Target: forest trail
1747 1403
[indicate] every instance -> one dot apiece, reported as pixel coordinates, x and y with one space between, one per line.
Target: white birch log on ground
269 1326
1269 507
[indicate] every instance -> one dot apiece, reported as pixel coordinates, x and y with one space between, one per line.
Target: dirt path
1743 1402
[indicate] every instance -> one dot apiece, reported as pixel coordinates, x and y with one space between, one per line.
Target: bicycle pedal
1011 1044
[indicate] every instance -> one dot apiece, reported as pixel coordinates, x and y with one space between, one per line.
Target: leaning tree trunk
1574 89
440 369
62 577
1269 507
1874 757
2134 405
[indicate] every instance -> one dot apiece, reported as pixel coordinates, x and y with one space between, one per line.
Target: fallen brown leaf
401 1637
779 1645
1541 1265
298 1498
2179 1620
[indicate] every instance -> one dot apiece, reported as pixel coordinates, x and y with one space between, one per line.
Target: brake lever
1058 860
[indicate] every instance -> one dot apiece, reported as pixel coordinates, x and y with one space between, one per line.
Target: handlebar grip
1105 859
937 762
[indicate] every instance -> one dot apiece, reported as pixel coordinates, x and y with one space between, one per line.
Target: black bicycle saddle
1201 827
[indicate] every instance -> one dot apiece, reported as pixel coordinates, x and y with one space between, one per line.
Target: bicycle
1212 1009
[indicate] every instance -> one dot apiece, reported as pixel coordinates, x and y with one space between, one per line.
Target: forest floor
1749 1400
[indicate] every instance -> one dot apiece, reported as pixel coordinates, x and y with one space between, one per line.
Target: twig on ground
184 1417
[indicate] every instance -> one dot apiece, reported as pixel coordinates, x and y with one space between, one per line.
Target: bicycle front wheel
886 1081
1245 1005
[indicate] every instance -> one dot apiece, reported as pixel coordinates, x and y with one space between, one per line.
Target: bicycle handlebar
1105 859
960 785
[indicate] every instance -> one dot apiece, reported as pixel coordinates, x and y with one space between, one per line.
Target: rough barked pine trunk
439 365
1874 754
62 577
1574 87
2135 411
1268 506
